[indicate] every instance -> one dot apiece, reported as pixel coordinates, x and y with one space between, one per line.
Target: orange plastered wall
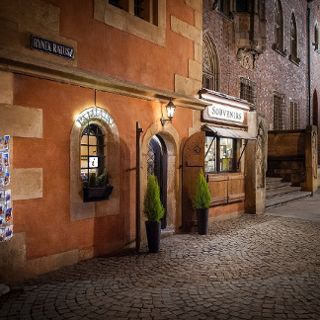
107 50
46 221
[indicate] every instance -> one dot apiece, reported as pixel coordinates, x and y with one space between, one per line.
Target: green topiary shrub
153 207
202 197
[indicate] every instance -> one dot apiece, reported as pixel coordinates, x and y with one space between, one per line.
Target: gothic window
210 75
278 26
279 112
248 90
316 37
294 115
293 39
121 4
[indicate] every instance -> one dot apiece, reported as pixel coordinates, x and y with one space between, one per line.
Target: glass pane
84 139
92 151
210 152
226 154
84 151
93 140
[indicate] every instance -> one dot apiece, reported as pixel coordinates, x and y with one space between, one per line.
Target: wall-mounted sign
6 211
94 113
93 162
51 47
223 113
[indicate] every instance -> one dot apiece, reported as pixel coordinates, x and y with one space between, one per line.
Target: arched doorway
167 139
315 117
157 164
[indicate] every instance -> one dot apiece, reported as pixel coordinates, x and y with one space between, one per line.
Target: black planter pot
202 217
153 235
96 193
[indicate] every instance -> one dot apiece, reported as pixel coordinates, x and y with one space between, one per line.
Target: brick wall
272 72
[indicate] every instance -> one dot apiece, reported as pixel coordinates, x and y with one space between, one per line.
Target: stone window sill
280 51
294 60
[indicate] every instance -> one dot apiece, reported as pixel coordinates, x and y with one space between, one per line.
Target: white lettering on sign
94 113
222 112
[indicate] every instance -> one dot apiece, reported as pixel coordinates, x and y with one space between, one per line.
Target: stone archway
170 138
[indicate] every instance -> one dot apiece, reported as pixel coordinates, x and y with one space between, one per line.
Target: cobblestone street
254 267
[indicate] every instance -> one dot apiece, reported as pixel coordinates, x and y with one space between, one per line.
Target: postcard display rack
6 217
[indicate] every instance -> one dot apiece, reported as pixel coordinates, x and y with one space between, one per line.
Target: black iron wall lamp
171 108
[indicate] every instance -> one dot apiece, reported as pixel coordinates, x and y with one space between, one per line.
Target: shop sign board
51 47
94 113
223 113
6 211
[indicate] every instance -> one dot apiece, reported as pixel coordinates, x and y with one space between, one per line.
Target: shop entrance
157 164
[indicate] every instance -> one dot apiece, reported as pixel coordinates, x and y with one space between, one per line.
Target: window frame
294 115
278 44
251 86
235 151
210 68
279 112
293 40
100 146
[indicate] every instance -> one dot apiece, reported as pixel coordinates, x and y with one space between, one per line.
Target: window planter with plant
97 188
154 212
201 203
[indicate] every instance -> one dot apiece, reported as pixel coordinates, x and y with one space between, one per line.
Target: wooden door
192 163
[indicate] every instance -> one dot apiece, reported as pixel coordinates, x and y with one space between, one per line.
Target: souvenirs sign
6 211
223 112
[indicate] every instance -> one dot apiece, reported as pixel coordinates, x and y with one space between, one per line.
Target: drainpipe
309 62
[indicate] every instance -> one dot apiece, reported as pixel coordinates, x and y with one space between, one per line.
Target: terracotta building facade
75 80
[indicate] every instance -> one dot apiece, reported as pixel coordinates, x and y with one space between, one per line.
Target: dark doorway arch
157 164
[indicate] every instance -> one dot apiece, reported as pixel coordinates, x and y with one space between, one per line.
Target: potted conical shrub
201 203
154 211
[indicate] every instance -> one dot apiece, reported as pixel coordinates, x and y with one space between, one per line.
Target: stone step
280 191
280 200
277 185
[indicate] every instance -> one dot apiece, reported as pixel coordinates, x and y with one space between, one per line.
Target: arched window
278 26
293 39
92 153
316 37
210 67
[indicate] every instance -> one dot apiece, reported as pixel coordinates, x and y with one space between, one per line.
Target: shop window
278 27
294 115
293 40
248 90
220 154
210 74
278 112
316 37
92 152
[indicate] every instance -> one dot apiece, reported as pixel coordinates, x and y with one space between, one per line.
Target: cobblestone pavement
254 267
